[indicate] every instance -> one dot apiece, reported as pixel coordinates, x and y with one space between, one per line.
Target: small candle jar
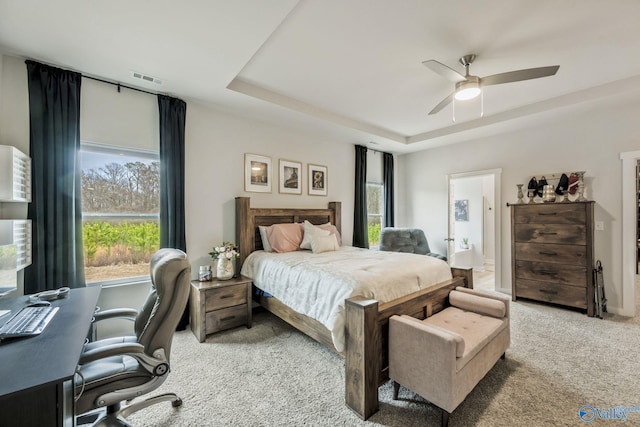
205 274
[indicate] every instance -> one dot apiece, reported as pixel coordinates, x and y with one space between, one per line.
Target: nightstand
219 304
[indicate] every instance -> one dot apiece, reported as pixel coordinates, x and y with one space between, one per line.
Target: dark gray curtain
360 229
387 172
55 210
173 114
172 121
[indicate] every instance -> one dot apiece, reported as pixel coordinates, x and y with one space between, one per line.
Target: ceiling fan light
467 89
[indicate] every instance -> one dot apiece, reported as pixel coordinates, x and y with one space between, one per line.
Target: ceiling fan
468 86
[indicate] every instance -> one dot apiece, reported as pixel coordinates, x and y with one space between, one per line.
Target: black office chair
118 369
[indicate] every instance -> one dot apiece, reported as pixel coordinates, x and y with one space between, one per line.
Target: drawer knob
548 253
224 319
548 233
547 272
547 213
546 291
226 296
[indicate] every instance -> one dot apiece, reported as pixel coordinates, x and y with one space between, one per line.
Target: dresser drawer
552 292
226 318
556 273
560 254
553 213
551 233
225 297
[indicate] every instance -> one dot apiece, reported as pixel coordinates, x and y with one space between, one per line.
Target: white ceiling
348 69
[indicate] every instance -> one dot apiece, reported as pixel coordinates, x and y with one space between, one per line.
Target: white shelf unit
18 232
15 175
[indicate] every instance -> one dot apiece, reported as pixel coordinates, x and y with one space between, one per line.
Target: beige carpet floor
271 375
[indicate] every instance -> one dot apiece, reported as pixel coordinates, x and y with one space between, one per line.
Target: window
375 209
120 211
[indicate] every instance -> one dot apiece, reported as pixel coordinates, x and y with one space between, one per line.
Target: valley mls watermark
588 413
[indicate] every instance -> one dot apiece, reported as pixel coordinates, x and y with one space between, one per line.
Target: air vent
146 78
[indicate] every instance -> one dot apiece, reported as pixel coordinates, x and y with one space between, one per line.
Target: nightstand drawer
556 273
226 318
551 233
225 297
560 254
572 296
549 214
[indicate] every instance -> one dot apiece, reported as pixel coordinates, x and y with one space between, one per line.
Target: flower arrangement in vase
225 255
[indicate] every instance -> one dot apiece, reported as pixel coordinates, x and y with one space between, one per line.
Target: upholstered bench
444 356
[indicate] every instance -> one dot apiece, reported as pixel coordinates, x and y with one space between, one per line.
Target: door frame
497 195
629 243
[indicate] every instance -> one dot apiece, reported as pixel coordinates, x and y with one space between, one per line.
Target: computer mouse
40 304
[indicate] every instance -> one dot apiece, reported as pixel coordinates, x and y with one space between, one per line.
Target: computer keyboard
28 321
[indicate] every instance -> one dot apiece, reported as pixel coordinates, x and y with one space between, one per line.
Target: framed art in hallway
257 173
317 180
290 177
462 210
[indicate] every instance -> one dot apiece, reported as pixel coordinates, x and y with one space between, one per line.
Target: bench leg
445 418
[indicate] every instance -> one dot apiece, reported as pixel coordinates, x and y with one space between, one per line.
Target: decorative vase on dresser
552 253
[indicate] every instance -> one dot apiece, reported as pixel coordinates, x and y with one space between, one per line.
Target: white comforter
318 284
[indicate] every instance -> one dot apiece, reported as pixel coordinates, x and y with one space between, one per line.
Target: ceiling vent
146 78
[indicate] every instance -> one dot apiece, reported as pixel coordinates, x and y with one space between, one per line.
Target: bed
365 320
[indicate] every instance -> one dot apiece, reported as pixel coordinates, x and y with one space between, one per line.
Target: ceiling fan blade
442 104
446 72
516 76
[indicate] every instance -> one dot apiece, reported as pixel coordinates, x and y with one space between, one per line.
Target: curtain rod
119 85
378 151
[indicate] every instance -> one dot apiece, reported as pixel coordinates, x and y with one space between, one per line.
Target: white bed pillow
263 236
311 231
321 244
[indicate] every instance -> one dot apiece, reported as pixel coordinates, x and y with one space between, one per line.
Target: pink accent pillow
285 237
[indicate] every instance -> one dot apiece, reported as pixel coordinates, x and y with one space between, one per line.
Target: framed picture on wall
317 180
462 210
290 177
257 173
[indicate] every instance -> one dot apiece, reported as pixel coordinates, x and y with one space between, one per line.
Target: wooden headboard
248 219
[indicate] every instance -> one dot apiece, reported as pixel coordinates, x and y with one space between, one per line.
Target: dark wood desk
36 373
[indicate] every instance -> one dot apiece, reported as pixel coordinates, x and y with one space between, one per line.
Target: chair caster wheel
176 403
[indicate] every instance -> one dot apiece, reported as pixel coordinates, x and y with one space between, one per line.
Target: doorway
474 225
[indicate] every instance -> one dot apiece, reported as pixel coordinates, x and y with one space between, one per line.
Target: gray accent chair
443 357
116 369
411 240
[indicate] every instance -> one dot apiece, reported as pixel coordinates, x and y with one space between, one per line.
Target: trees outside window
120 211
375 210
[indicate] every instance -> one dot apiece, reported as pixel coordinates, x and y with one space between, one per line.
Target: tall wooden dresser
552 253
